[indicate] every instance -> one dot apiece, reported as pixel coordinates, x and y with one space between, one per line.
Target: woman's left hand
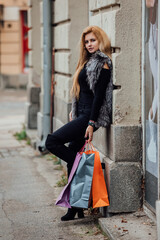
89 133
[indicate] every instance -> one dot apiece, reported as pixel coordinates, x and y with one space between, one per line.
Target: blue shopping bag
82 182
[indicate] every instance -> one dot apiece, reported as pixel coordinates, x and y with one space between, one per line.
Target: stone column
122 142
44 119
70 18
34 83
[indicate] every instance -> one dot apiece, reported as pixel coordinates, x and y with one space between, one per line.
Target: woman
91 102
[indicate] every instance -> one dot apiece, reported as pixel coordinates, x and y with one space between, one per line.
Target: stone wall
122 142
35 64
70 17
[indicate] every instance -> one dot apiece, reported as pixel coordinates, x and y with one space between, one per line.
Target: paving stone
4 150
13 153
7 154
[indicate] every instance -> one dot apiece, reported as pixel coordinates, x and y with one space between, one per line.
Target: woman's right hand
70 116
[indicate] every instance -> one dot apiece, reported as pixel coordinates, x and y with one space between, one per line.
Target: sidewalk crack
6 215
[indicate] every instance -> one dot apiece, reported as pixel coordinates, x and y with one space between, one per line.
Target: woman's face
91 42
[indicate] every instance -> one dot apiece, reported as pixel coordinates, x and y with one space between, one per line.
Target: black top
86 95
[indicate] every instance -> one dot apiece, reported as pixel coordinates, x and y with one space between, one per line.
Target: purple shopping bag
63 199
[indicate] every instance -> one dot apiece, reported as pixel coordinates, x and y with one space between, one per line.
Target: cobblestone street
28 185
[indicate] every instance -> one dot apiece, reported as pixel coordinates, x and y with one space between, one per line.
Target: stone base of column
123 181
31 110
32 107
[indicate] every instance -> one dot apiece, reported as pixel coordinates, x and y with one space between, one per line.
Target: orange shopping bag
99 190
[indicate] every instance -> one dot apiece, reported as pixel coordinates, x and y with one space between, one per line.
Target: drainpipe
47 71
52 91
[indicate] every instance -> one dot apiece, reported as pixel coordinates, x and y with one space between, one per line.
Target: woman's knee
51 142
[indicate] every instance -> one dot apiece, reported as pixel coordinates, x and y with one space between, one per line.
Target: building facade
130 147
150 101
13 42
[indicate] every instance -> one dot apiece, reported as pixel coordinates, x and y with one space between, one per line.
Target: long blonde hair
104 46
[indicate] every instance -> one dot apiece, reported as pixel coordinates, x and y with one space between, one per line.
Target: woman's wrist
91 123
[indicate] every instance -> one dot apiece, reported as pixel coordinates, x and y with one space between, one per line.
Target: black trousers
72 133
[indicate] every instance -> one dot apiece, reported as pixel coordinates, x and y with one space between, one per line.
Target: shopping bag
82 181
99 190
63 199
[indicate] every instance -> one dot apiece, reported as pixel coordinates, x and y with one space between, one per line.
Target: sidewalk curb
106 230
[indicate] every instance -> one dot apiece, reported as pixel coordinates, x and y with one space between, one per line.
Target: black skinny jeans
72 133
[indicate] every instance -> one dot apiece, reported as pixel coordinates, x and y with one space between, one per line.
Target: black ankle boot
71 214
80 213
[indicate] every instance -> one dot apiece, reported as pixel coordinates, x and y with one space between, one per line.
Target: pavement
130 226
28 190
28 185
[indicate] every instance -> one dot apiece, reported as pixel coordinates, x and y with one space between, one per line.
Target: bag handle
82 149
89 146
